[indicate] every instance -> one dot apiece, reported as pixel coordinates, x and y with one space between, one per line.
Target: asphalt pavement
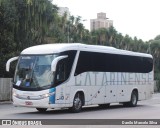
145 110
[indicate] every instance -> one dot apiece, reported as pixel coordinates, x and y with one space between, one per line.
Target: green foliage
157 37
23 23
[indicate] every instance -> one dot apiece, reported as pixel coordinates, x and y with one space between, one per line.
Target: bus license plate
28 103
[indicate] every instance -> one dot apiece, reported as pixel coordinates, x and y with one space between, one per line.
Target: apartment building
101 22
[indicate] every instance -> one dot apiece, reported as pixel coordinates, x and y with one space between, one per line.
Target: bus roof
60 47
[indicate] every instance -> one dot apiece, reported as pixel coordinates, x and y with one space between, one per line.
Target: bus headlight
47 95
15 94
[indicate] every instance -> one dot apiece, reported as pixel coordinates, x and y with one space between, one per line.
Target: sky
140 18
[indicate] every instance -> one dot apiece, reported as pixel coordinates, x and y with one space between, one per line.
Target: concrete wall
5 89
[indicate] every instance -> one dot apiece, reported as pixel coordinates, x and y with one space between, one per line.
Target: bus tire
42 109
133 101
77 103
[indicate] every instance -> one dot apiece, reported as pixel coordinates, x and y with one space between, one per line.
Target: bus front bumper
43 103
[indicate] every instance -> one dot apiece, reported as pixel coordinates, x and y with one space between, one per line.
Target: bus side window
61 72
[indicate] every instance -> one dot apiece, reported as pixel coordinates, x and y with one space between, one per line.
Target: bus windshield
34 71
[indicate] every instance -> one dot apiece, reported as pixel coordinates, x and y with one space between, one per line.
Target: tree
23 23
33 22
7 43
157 37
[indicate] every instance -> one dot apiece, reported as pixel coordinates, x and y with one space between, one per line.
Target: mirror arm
55 61
9 61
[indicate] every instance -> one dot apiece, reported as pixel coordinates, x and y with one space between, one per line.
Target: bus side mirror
55 61
9 61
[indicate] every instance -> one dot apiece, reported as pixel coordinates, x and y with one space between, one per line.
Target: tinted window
105 62
64 67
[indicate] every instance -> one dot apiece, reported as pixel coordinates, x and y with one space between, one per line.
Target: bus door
62 88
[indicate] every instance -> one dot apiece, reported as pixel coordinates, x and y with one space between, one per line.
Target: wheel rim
77 103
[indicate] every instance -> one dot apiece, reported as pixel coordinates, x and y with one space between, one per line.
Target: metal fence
5 89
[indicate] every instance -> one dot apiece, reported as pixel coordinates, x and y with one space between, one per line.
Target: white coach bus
76 75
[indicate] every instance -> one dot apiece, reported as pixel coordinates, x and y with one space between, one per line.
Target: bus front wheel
77 103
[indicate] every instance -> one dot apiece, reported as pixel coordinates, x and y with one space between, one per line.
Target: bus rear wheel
77 103
42 109
133 101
